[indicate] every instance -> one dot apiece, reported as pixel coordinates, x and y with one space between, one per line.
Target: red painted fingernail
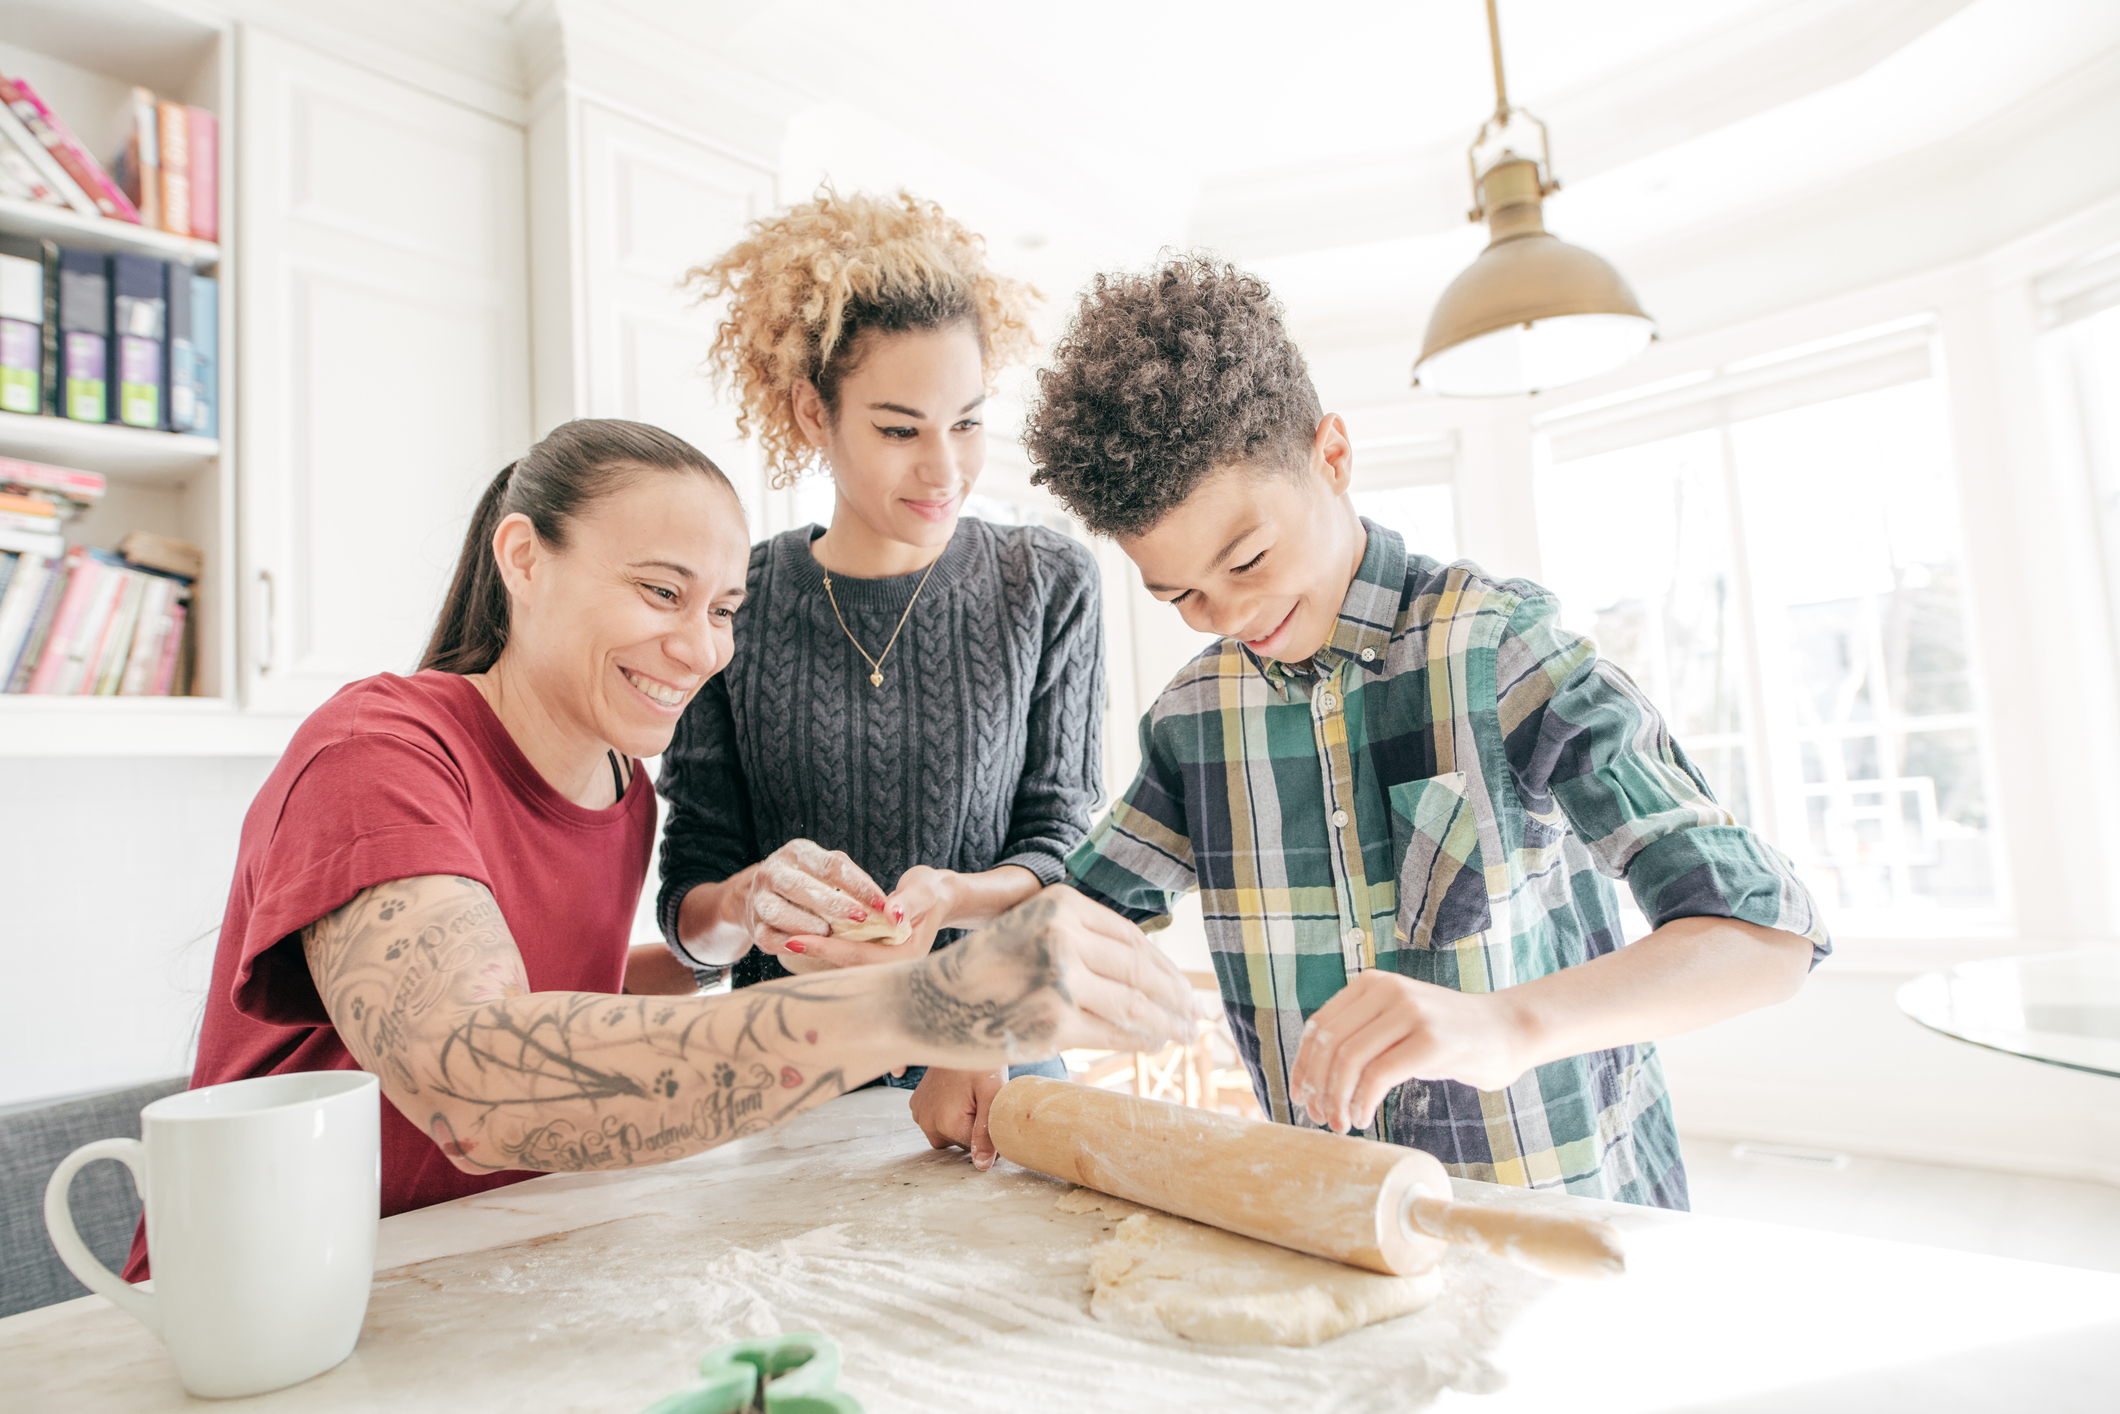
881 900
897 914
859 915
793 946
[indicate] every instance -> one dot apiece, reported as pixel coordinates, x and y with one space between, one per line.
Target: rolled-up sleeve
1063 764
708 832
1582 737
1139 858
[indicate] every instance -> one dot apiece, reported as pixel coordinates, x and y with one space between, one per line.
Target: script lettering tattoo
426 988
425 985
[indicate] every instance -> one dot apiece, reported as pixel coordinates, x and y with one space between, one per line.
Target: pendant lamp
1533 312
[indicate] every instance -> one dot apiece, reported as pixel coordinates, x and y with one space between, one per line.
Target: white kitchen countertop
949 1288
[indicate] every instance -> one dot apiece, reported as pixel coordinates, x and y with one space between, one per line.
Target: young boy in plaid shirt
1401 787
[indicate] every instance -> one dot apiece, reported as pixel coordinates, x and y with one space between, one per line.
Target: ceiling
1732 156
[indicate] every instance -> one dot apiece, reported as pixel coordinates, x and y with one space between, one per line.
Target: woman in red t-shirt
437 882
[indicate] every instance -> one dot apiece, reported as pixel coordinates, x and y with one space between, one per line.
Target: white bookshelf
85 59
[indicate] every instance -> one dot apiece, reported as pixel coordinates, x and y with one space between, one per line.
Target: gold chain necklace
876 664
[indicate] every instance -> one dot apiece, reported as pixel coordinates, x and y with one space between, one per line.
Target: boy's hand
951 1107
1383 1030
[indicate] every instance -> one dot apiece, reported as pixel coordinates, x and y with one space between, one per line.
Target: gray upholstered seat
33 1139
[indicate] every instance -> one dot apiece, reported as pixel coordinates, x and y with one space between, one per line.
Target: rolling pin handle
1553 1243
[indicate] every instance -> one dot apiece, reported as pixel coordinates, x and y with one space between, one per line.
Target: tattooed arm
425 985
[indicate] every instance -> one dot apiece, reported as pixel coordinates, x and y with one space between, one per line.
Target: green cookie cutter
781 1374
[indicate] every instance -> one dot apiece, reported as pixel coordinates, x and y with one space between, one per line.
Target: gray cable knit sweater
983 747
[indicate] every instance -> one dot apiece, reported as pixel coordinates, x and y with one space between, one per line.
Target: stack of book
108 338
168 174
75 621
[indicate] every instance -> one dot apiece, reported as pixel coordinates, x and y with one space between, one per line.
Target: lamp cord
1494 37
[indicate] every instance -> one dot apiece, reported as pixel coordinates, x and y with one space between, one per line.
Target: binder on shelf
173 151
183 400
205 175
205 351
24 129
139 305
84 334
137 169
78 161
21 325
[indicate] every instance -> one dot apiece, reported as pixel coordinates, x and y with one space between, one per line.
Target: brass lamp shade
1530 314
1533 312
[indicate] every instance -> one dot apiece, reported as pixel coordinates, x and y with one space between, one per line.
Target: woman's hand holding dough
1049 975
798 893
951 1108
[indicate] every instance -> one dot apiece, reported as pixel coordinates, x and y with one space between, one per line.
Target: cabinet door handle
265 658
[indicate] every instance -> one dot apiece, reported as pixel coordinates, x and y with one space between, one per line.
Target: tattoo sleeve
425 985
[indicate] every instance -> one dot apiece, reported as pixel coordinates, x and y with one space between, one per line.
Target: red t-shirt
392 778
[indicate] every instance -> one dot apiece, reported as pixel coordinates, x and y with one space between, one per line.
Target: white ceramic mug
261 1200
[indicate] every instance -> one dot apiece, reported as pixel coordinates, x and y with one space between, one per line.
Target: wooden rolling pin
1356 1201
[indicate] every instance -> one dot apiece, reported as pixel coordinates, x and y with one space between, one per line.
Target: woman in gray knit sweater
908 734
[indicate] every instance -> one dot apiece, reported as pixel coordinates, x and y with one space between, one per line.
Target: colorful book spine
21 325
205 175
173 150
143 657
84 334
174 665
106 664
139 288
139 173
40 623
15 120
86 487
83 575
28 523
206 351
15 162
72 181
79 163
18 605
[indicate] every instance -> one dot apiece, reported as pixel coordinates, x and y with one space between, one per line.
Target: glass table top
2061 1008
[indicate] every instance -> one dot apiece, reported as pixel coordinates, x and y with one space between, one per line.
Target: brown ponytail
577 464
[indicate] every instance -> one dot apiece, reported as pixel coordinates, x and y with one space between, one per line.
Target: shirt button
1369 655
1354 937
1328 702
1339 819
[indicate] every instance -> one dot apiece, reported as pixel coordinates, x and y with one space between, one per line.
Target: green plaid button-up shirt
1445 792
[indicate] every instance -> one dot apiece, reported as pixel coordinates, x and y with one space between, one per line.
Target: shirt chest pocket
1442 876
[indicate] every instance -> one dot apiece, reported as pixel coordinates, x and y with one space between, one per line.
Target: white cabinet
650 206
385 365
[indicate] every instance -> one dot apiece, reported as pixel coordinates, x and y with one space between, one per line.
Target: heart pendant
875 679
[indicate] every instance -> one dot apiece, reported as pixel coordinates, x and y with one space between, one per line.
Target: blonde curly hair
803 286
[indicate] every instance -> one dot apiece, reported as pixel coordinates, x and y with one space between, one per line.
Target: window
1780 570
1407 488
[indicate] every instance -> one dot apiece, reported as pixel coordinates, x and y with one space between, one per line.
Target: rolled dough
1213 1286
878 929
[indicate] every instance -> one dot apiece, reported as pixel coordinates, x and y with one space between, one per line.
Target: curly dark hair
1163 378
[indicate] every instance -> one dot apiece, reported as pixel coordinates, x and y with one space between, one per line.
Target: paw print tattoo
359 1009
397 949
665 1085
614 1016
724 1075
391 908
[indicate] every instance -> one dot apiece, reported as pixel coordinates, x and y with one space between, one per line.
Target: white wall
116 874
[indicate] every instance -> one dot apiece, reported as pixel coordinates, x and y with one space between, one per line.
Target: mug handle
59 1222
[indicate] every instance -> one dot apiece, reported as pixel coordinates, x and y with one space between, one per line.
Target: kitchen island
950 1288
